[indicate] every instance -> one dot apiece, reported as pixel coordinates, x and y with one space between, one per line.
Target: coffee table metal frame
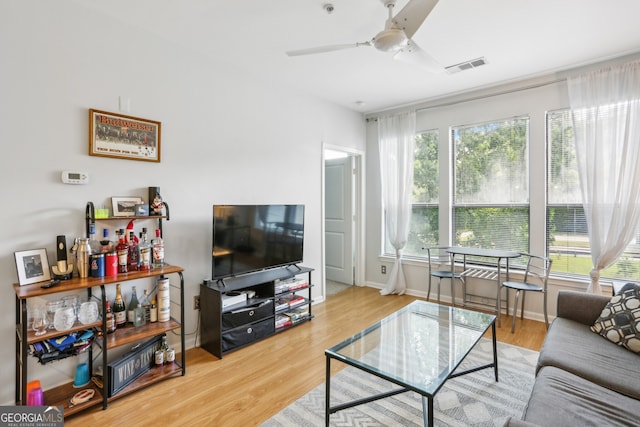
475 327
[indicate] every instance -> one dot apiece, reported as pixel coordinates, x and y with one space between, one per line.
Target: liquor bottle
157 245
164 347
119 310
163 297
132 257
106 245
123 253
144 252
146 304
133 304
153 313
111 321
95 246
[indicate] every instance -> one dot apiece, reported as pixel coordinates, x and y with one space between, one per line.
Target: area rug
470 400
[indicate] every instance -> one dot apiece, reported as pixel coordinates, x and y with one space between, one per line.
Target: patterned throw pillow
619 322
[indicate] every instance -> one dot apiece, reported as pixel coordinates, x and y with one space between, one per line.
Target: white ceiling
519 39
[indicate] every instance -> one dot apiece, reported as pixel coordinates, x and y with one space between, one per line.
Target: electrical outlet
383 269
196 302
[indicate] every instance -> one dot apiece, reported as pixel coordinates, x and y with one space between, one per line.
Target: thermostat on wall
69 177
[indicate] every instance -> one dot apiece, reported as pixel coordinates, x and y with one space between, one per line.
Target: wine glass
40 321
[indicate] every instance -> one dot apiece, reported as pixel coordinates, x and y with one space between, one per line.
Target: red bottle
122 249
133 253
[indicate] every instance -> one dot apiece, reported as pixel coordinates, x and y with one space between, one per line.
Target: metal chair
536 277
439 254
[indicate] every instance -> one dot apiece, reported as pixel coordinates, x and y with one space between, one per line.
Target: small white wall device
70 177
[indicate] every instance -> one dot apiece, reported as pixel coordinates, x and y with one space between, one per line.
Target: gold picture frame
123 137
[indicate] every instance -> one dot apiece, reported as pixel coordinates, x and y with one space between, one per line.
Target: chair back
439 256
538 269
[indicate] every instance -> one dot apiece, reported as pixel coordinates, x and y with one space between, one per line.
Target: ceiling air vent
467 65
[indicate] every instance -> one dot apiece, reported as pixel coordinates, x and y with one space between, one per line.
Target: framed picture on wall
125 206
123 137
32 266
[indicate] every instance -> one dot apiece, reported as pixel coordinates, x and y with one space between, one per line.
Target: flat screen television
248 238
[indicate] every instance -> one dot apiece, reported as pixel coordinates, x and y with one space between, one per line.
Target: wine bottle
144 252
111 321
119 309
123 253
157 245
132 257
133 304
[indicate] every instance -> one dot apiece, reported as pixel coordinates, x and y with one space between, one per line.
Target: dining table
482 273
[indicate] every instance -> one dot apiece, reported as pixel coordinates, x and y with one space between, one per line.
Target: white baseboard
447 299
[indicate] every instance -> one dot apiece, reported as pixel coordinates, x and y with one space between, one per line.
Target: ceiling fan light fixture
390 40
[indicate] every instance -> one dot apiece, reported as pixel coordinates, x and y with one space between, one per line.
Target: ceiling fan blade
411 17
329 48
412 54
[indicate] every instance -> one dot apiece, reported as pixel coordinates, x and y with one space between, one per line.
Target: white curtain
396 134
605 107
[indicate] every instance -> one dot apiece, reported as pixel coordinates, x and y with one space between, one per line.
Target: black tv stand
274 300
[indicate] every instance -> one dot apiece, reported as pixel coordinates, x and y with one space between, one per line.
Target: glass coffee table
418 348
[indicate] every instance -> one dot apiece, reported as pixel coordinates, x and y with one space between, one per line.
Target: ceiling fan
396 36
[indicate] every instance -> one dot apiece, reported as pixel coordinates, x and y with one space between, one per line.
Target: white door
339 220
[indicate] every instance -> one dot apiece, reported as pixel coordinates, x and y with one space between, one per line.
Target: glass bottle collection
138 312
128 253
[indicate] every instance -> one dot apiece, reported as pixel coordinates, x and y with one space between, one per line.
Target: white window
491 184
567 232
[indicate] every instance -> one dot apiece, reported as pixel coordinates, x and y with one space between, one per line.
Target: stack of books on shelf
291 317
281 304
281 286
289 301
282 321
298 314
292 284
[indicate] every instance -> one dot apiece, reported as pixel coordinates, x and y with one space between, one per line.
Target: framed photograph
125 206
33 266
123 137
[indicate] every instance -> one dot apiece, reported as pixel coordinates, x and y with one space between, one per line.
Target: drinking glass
72 301
40 321
52 306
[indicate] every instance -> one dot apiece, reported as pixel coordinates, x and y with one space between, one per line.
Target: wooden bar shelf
131 334
52 333
128 336
61 396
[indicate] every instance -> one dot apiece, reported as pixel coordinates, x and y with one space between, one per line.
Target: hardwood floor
250 385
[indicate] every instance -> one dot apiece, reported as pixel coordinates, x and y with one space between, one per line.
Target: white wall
227 137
